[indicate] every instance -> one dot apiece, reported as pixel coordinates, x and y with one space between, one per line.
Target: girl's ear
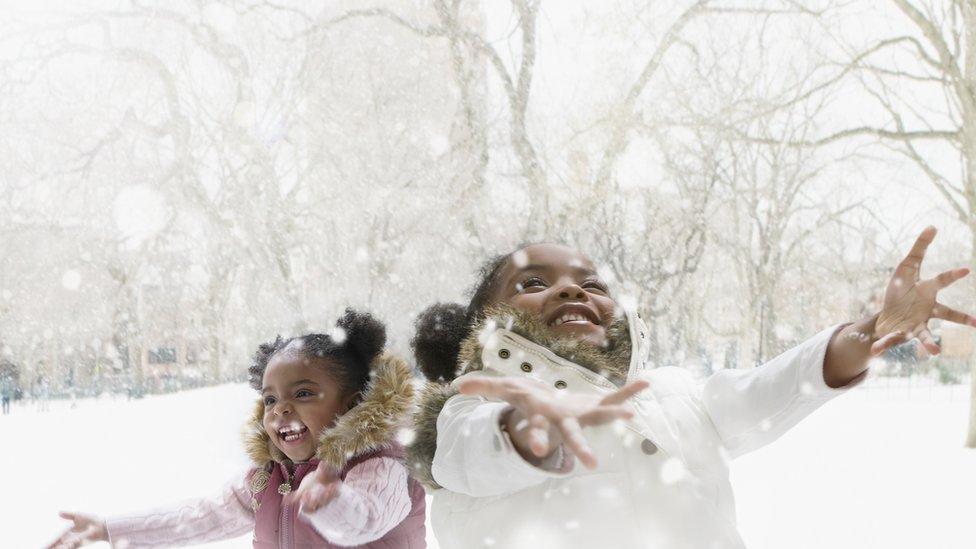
351 400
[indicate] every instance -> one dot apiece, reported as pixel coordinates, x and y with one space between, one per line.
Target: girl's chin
298 456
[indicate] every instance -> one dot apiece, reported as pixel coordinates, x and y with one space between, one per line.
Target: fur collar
370 425
611 361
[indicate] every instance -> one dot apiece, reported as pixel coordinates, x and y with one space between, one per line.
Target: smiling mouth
571 319
292 433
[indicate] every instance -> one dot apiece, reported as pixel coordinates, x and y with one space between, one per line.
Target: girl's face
300 400
560 287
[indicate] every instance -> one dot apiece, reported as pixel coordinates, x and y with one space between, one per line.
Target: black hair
442 327
359 340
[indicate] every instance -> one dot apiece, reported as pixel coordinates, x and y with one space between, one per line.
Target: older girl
540 353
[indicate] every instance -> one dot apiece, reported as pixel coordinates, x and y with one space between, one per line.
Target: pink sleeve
193 521
373 498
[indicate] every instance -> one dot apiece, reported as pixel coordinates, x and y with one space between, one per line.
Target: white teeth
292 432
569 317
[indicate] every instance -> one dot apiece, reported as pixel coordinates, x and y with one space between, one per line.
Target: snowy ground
880 467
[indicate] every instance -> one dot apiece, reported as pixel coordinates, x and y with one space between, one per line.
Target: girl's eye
596 285
532 281
269 400
302 393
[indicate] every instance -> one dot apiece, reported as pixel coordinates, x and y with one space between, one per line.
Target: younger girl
322 433
541 351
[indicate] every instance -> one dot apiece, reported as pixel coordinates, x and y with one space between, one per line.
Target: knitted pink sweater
374 497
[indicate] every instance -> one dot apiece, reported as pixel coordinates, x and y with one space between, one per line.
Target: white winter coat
663 477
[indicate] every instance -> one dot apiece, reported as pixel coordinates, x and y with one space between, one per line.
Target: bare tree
924 82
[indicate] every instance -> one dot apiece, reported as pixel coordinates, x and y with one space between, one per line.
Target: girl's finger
539 435
925 336
888 341
946 278
498 388
913 260
605 414
483 386
69 541
574 439
309 502
952 315
59 541
622 394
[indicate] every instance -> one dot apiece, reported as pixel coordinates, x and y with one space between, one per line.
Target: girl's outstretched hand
544 418
86 529
909 302
318 488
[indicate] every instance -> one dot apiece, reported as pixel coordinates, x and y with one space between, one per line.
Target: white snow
879 467
71 279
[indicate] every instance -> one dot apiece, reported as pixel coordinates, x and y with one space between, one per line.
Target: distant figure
43 395
6 393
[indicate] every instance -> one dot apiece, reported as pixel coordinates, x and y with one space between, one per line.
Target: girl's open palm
910 302
553 417
85 530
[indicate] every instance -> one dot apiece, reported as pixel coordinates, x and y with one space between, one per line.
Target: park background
183 180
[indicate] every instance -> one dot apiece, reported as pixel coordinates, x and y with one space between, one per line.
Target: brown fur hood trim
370 425
612 361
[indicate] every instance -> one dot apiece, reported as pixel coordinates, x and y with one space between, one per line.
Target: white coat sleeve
751 408
476 458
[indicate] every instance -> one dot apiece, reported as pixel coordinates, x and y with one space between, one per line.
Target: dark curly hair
363 339
442 327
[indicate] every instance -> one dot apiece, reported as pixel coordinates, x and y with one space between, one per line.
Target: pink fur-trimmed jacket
377 504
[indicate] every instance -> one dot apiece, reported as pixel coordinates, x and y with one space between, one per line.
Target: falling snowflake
672 471
520 259
406 436
439 145
71 280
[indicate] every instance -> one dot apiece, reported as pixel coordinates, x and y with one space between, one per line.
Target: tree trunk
971 432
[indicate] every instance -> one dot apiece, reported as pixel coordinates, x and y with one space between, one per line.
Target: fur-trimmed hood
614 362
369 426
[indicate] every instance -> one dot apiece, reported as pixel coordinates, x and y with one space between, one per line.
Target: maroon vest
278 526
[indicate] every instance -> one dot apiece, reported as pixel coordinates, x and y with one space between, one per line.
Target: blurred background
183 180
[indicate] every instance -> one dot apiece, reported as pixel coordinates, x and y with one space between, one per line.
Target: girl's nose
283 408
571 291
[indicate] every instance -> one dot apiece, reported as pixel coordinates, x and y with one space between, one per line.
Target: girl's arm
542 437
750 408
475 457
371 501
190 522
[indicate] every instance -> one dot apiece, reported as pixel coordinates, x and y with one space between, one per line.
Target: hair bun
365 336
440 330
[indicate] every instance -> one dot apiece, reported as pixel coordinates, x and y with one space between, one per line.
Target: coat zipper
284 539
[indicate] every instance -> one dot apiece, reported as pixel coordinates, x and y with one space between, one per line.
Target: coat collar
369 426
624 354
623 357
